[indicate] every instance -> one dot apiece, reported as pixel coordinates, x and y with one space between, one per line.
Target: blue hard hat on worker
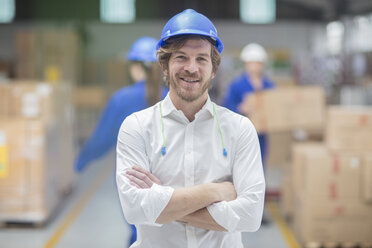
143 49
190 22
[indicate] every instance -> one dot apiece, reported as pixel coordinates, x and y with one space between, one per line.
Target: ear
165 72
213 74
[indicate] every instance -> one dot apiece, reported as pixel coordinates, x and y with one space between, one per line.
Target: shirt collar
209 106
168 107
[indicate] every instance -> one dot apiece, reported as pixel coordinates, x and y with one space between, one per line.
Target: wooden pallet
21 224
338 245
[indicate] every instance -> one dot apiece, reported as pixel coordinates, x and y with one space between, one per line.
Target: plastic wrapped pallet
28 192
36 149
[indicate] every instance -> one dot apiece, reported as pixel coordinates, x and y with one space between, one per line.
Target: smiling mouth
189 80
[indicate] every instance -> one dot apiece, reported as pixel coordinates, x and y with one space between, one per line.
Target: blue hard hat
143 49
189 22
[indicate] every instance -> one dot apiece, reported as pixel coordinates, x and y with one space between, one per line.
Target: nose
191 66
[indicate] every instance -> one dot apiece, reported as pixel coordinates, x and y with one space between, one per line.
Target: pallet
21 224
27 220
338 245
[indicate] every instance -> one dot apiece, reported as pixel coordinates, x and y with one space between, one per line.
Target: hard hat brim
218 44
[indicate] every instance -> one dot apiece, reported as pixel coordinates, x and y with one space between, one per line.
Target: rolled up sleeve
245 212
140 206
224 215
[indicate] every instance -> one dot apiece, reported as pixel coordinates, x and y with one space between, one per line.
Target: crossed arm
187 204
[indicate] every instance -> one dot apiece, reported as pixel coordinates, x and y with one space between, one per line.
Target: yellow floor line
78 208
283 227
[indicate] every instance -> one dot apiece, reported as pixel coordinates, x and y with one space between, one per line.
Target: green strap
219 127
162 125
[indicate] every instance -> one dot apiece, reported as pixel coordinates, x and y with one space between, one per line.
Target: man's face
254 68
190 70
137 72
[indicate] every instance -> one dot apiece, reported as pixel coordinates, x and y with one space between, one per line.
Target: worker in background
146 91
189 172
250 81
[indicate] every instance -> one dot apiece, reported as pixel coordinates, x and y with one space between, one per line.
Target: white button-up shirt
194 155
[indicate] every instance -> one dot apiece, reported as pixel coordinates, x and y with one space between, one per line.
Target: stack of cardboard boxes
327 188
331 182
52 54
36 150
288 108
109 74
279 113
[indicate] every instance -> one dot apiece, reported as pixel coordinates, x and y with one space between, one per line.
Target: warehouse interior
61 61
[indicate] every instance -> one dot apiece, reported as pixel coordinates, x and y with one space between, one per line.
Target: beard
192 94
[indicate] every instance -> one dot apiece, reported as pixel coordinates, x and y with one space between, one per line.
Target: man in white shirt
189 172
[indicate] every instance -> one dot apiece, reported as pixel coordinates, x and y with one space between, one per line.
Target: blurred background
60 61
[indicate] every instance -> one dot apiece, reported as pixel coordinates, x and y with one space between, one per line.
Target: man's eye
180 57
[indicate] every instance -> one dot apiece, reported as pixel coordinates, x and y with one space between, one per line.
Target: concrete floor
91 217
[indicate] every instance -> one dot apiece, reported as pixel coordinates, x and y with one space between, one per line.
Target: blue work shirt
122 103
238 89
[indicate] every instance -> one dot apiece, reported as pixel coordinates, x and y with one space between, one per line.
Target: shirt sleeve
245 213
140 206
268 83
231 100
103 138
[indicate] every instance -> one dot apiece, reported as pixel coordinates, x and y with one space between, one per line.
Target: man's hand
141 178
187 205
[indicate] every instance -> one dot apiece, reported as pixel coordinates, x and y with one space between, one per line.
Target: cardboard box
28 56
332 221
330 190
28 99
90 96
36 100
332 177
28 191
299 151
287 200
37 50
367 179
4 100
322 174
36 150
279 149
349 128
287 108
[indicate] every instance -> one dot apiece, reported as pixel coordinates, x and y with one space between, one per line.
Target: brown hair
173 44
154 83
